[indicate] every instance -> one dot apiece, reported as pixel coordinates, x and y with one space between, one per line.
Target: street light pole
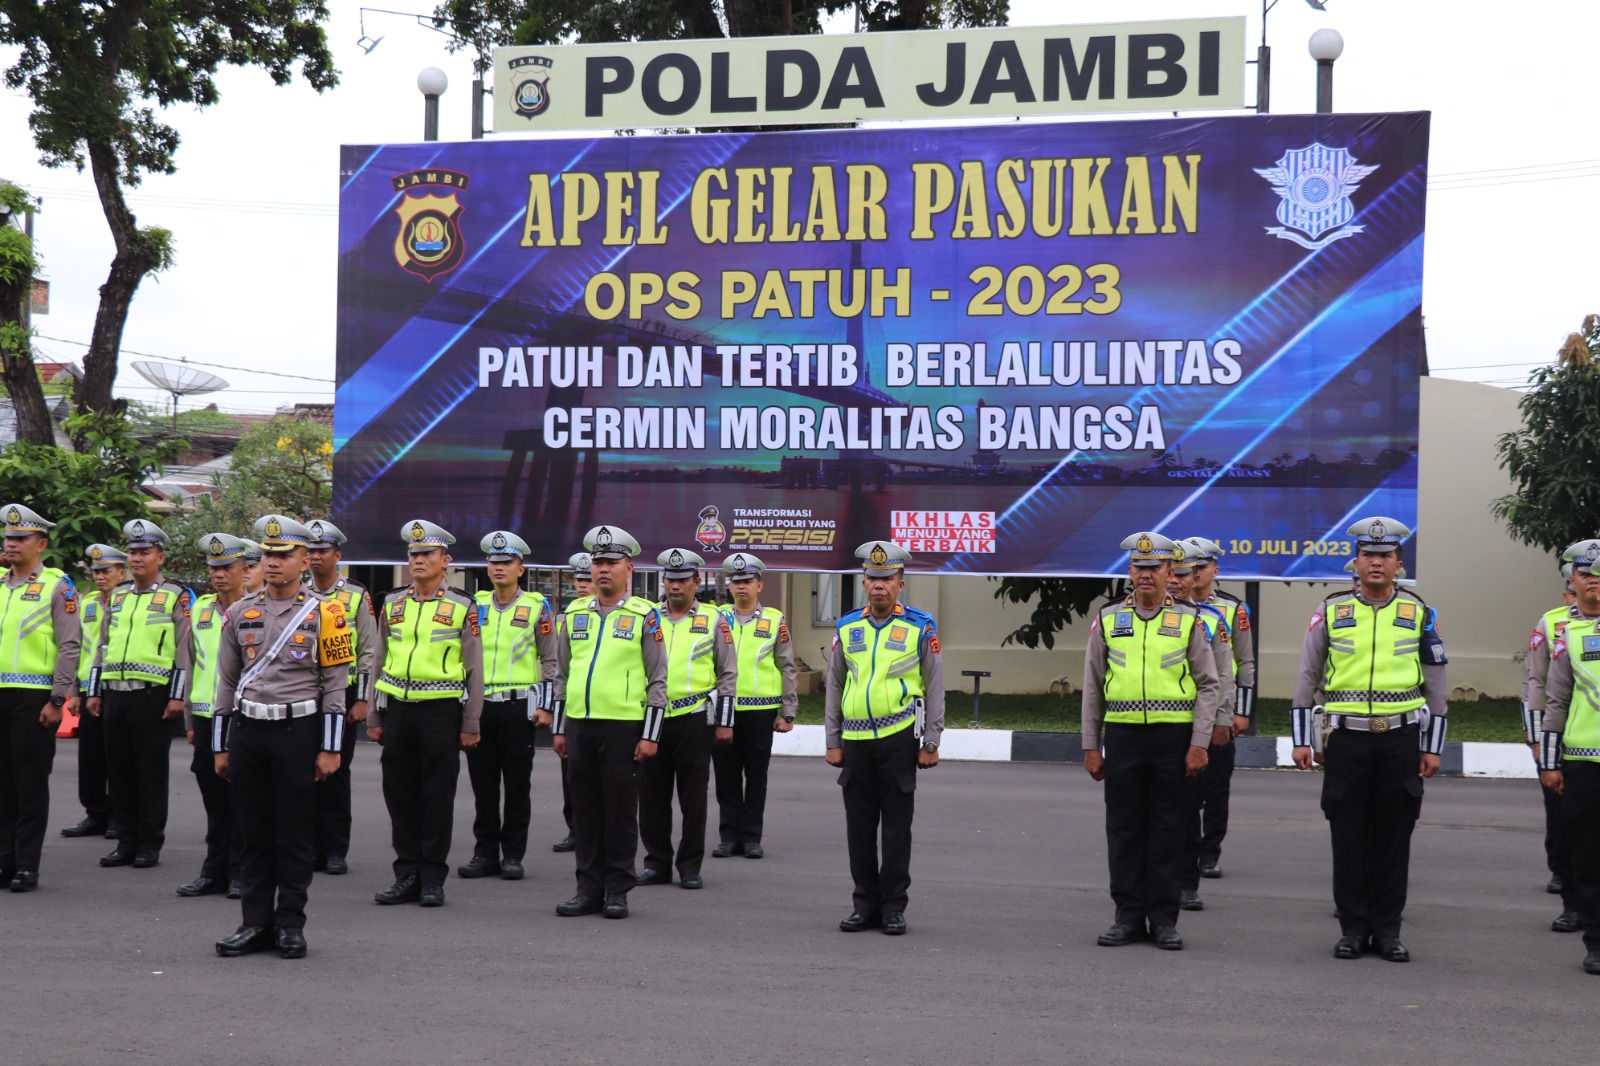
431 82
1325 46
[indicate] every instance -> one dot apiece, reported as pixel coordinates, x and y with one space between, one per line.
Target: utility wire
196 362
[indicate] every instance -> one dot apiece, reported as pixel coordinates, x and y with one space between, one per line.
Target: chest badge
522 616
624 627
858 638
1344 615
1405 615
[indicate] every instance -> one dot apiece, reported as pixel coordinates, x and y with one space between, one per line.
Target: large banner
1006 347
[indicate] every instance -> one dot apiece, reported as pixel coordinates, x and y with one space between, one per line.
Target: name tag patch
397 612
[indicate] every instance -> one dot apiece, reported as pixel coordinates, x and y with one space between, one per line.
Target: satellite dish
179 380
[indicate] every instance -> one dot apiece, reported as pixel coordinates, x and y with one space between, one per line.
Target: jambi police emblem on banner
430 242
532 96
1315 183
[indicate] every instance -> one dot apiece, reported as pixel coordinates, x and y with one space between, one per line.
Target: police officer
1550 628
519 652
609 703
764 703
140 679
332 842
1215 623
583 584
39 642
1150 692
283 661
700 690
108 568
1377 657
1239 700
884 715
429 704
254 576
1568 742
225 560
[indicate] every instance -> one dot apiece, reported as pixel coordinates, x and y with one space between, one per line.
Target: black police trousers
683 759
1556 855
1372 797
879 782
1147 809
421 764
332 823
94 792
27 755
504 754
1580 814
224 839
741 768
138 741
605 803
1208 823
274 770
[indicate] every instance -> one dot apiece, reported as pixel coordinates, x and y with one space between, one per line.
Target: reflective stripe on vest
422 657
1374 656
206 634
756 641
28 632
511 640
605 670
691 667
884 678
1148 681
140 641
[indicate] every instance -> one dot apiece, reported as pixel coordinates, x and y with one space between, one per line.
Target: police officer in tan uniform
282 663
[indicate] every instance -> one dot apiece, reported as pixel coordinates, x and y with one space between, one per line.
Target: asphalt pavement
1000 965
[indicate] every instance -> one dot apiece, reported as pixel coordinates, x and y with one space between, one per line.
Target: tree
1554 459
1061 599
18 264
94 67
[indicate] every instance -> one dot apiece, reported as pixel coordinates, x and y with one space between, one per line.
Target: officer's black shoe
579 905
1167 938
120 857
724 849
1554 885
1349 947
511 870
89 827
1566 922
146 860
1591 961
894 923
337 866
647 876
1120 935
1189 900
248 939
291 944
692 881
112 834
566 843
235 889
753 851
616 907
480 866
858 921
1391 950
24 881
1210 870
201 886
319 864
405 890
432 896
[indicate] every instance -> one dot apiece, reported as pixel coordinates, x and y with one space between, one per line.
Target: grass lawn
1486 720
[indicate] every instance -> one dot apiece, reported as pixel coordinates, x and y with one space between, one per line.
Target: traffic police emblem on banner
430 242
1315 183
531 98
710 533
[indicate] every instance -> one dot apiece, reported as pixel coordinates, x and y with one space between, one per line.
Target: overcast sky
1512 225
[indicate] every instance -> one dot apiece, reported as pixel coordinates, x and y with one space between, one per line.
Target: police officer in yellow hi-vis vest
39 645
609 704
883 718
519 656
108 568
283 659
333 794
765 703
1375 654
583 585
700 689
140 679
225 560
430 700
1568 743
1550 628
1150 697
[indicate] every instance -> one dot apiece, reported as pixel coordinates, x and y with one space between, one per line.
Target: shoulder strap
272 653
